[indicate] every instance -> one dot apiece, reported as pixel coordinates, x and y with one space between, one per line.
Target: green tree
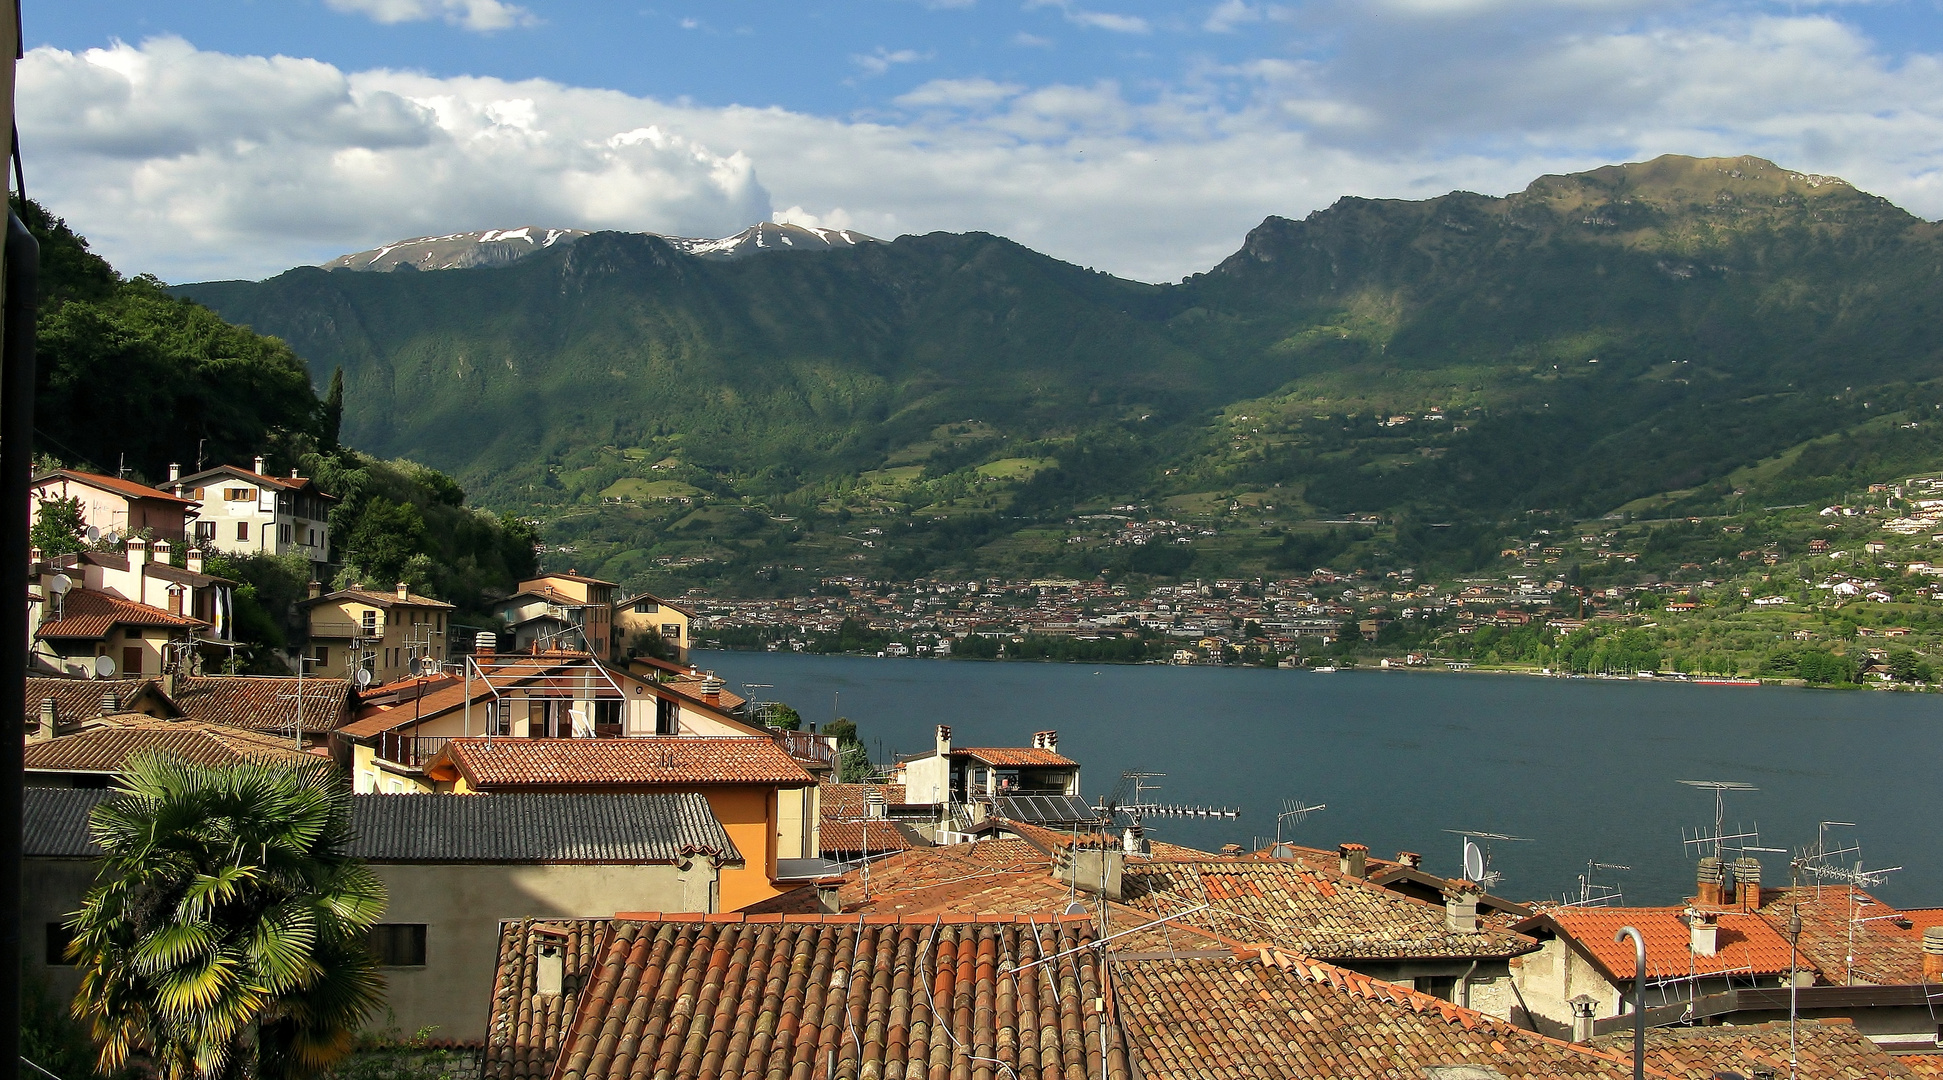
333 420
227 937
58 527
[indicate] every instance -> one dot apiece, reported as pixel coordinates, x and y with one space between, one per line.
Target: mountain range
1652 337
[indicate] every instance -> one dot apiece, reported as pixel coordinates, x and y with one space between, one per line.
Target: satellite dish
362 678
60 585
93 534
104 666
1473 862
1075 908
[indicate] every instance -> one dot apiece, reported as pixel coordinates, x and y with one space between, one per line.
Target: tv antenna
1823 866
1594 893
1721 840
1129 800
1477 861
1294 812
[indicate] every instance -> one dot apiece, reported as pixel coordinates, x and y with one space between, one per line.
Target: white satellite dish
60 585
1473 862
362 678
1075 908
93 534
104 666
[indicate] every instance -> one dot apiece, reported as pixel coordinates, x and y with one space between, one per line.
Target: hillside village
600 859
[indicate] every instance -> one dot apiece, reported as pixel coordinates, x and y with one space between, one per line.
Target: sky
205 139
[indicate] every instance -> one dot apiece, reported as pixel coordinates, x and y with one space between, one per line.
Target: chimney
193 560
1582 1007
163 551
1134 841
1410 859
1747 883
550 967
1704 932
1052 740
404 591
137 553
1353 860
50 718
485 644
1933 954
175 473
110 703
1707 878
944 740
259 464
712 690
315 589
1460 905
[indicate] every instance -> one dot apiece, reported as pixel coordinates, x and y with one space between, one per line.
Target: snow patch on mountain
499 247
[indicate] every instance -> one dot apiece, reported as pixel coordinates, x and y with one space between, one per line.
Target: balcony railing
336 631
804 746
409 750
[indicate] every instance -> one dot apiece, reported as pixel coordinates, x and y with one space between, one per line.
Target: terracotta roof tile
128 488
1312 911
76 699
1014 757
1746 943
848 800
839 837
377 598
107 749
89 614
265 702
1922 1065
523 1034
1243 1018
783 995
1885 952
641 762
1826 1051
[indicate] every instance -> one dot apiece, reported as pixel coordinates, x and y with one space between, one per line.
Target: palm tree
226 937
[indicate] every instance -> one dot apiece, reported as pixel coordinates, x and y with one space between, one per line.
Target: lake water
1586 768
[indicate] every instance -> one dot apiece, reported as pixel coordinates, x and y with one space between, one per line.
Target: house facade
646 613
113 506
383 633
561 611
248 512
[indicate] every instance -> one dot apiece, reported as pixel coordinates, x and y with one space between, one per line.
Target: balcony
804 746
412 751
343 631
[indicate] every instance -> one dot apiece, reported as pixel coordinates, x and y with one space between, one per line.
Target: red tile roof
524 1030
292 483
847 800
265 702
779 996
90 614
839 837
1885 953
1244 1017
1015 757
78 699
1746 944
377 598
1831 1050
1308 910
512 763
107 749
125 488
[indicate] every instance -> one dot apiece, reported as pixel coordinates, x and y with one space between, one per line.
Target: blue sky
235 138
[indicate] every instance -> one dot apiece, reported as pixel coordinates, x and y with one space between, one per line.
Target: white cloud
481 15
1031 41
196 164
882 60
1094 20
1230 15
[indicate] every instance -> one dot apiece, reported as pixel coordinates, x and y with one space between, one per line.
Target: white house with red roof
113 506
1036 784
249 512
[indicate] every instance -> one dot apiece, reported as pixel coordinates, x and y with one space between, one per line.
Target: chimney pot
485 644
110 702
1582 1007
1353 860
175 472
193 560
1460 905
1707 877
1410 859
1704 932
259 464
1747 883
1052 741
50 716
137 552
315 589
404 591
1933 954
163 550
944 740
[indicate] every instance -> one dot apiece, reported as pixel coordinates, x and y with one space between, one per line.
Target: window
667 717
370 622
398 944
323 656
205 530
671 631
313 538
239 494
242 530
57 938
131 660
283 534
646 607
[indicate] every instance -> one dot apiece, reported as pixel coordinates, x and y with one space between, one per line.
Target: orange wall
748 814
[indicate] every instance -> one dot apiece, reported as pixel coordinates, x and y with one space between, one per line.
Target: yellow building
648 613
383 633
561 611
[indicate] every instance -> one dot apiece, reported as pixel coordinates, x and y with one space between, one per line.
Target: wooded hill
1638 332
